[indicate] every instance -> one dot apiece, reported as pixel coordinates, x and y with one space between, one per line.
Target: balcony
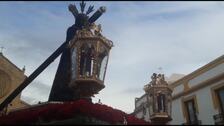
219 119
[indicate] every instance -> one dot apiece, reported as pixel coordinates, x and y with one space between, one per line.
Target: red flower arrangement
65 110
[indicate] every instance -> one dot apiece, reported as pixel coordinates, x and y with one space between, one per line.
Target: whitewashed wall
178 89
207 75
143 100
147 118
205 106
177 113
139 114
140 101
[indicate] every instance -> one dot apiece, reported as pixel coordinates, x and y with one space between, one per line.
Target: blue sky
180 37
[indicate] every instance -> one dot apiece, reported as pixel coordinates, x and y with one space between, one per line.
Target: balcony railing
219 118
196 122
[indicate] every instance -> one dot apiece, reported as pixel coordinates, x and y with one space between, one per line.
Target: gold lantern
89 58
160 95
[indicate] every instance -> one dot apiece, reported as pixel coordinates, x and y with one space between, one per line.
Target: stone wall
10 78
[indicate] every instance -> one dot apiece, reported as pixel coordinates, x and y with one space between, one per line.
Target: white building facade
197 98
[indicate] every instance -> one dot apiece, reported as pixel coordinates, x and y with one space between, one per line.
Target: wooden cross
1 49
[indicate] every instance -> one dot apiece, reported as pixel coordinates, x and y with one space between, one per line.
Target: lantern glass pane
73 55
102 62
103 67
87 59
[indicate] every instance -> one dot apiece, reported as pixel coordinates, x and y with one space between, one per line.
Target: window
220 96
218 102
191 111
217 93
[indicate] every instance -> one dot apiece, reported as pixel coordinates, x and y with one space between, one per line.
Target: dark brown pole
97 14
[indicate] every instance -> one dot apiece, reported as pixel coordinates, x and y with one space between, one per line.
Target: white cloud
35 92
